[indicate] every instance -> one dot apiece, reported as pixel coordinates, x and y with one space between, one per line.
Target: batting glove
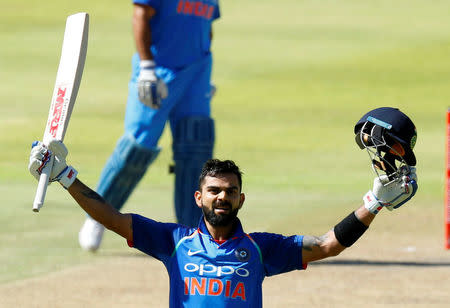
151 89
391 194
40 156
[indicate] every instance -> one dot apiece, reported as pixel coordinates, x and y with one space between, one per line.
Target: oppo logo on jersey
57 110
196 8
219 271
214 286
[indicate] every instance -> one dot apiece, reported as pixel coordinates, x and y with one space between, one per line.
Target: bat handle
42 186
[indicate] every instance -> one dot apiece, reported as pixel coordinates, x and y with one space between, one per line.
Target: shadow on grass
380 263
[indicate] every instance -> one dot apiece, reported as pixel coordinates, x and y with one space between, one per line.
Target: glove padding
391 194
40 156
151 89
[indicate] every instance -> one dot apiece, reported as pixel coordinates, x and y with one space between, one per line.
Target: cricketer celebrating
170 81
217 264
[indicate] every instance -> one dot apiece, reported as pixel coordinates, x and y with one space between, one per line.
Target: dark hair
214 167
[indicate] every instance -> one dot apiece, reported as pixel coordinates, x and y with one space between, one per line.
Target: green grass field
293 78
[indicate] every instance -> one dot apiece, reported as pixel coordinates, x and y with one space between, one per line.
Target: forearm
142 31
319 247
352 227
349 230
364 215
100 210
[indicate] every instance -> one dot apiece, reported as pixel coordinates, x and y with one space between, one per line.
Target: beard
220 220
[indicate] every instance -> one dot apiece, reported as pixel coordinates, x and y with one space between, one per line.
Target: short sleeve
280 254
216 13
153 3
154 238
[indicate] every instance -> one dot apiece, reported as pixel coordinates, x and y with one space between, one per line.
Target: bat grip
42 186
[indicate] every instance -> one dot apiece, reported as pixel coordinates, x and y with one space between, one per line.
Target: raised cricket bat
68 79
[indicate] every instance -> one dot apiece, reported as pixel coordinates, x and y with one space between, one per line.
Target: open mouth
222 209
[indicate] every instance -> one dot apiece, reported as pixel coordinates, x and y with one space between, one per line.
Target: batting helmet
389 136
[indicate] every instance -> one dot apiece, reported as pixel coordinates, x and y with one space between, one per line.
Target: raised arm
88 199
385 193
100 210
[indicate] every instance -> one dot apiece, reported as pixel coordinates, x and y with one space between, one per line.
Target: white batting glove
40 156
151 89
391 195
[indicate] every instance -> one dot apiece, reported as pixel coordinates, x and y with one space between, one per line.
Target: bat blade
68 78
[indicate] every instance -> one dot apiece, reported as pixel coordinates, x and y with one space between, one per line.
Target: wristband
67 176
147 63
349 230
371 203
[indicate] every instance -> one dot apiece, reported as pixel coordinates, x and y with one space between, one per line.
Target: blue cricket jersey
181 30
204 273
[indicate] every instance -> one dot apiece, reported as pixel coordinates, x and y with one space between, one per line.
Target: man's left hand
391 194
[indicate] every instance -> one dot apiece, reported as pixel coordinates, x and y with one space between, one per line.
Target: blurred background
293 78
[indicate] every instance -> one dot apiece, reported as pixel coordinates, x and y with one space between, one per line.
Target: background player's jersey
205 274
181 30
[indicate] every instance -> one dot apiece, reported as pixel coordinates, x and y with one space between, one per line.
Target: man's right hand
40 156
151 89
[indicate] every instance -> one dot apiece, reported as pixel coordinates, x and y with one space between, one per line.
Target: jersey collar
237 232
